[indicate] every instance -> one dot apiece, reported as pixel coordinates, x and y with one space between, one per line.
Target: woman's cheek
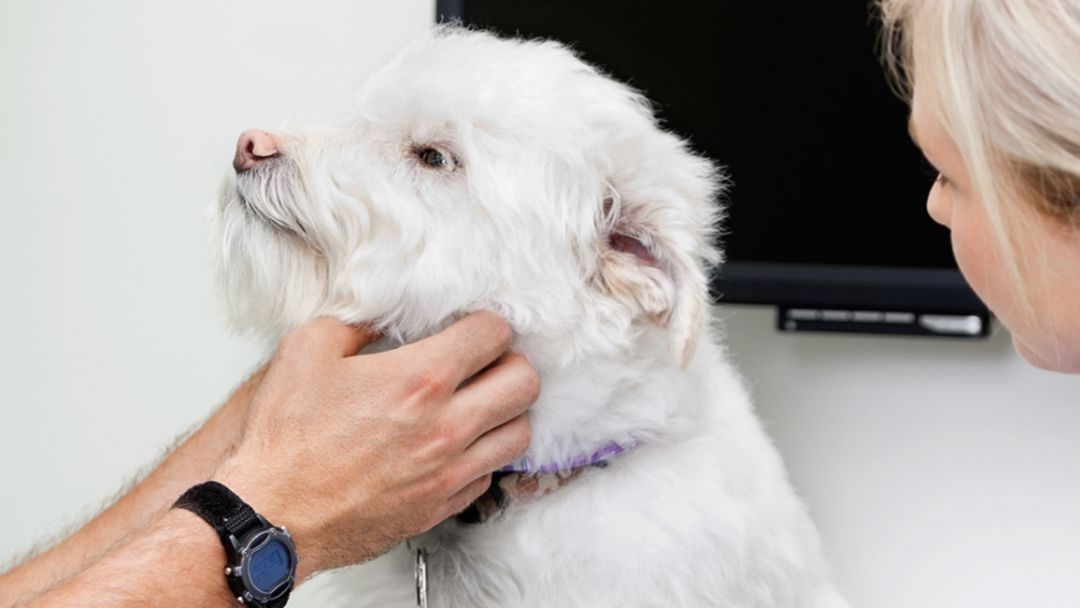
979 260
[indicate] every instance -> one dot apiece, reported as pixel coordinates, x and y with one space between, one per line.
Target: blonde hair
1003 79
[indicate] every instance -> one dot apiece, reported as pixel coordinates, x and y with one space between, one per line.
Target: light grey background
941 473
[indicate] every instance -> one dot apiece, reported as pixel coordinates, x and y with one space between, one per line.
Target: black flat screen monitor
826 213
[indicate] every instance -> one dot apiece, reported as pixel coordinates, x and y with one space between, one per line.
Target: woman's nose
253 147
939 206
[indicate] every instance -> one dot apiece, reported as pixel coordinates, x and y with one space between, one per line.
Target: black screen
789 97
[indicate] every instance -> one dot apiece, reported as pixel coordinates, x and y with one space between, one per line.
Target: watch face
269 566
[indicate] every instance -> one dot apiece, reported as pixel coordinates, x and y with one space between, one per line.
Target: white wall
941 474
118 121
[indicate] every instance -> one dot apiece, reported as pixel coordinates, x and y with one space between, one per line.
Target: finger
339 338
497 395
468 346
496 449
467 496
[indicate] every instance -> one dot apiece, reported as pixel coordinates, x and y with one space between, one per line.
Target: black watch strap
231 517
220 507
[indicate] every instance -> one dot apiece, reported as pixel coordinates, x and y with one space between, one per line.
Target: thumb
342 339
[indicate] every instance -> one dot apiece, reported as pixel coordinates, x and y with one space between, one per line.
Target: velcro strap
220 507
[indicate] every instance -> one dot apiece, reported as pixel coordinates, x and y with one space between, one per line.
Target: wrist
261 557
255 486
177 541
193 546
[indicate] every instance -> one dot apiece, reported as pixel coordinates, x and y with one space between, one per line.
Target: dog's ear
656 238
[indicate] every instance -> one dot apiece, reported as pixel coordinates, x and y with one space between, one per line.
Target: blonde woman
994 87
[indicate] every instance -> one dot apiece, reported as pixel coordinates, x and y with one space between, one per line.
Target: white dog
477 173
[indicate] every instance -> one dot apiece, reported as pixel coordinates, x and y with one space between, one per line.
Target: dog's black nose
253 147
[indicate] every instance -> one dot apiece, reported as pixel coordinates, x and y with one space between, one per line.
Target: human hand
353 453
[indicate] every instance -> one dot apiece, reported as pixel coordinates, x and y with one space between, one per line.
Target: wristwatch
261 558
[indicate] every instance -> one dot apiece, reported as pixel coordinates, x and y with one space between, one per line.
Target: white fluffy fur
551 159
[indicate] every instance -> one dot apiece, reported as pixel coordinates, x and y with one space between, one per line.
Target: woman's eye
942 180
434 158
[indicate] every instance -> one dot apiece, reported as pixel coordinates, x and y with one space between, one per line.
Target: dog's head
476 172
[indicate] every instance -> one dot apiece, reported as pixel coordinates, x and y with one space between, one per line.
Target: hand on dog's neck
592 396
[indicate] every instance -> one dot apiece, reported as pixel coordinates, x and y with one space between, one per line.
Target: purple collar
524 481
609 450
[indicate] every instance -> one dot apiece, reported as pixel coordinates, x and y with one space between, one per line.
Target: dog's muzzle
267 184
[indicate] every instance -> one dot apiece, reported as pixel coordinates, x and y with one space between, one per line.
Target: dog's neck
607 401
630 397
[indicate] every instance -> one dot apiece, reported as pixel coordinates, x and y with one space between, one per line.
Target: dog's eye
434 158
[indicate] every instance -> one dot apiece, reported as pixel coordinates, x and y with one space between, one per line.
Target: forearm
176 561
191 462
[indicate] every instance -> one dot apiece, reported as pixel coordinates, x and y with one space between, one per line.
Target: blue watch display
269 566
262 566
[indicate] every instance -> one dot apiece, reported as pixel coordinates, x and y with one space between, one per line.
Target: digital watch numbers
266 570
269 566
